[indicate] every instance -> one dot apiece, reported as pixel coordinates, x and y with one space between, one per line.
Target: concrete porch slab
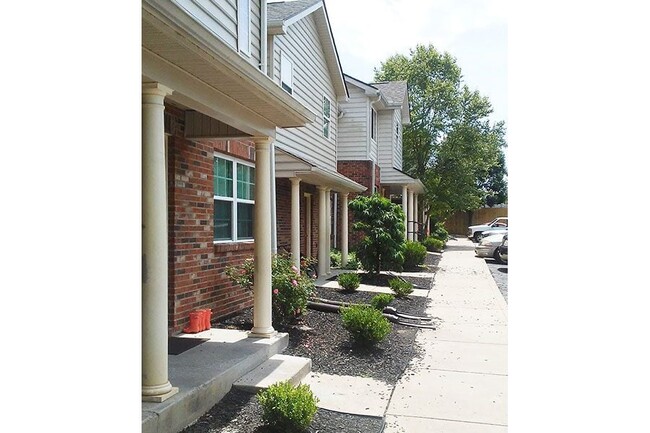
277 368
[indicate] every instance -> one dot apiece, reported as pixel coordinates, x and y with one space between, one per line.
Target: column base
262 333
160 398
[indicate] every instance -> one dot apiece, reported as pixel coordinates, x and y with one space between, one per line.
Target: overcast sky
367 32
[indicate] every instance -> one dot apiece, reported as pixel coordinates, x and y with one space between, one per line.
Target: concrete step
277 369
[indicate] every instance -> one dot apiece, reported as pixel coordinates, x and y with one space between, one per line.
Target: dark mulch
321 337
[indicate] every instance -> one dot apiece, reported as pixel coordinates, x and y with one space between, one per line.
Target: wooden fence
457 224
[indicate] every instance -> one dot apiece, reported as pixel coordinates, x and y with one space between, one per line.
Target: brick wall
360 172
196 265
283 212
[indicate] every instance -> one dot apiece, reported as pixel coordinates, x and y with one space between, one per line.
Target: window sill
225 246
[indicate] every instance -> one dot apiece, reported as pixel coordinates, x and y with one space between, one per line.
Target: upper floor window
327 112
397 133
234 199
373 124
244 26
286 73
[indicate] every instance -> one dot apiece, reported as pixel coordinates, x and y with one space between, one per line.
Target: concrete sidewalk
460 384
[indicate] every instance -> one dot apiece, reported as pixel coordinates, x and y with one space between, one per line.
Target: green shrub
335 258
433 244
381 301
353 262
400 287
287 408
440 232
291 286
350 281
366 325
414 254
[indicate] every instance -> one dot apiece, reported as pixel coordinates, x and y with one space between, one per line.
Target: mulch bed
321 337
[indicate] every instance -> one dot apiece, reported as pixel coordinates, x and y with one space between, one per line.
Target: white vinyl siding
397 143
354 133
310 82
220 17
327 116
390 149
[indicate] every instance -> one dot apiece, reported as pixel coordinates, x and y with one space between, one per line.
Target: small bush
433 244
414 254
381 301
288 408
349 281
400 287
366 325
440 232
335 258
353 262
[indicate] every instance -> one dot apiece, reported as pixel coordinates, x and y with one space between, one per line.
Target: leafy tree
450 145
382 223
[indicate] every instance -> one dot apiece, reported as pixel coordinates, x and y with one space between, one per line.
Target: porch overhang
288 165
208 76
395 179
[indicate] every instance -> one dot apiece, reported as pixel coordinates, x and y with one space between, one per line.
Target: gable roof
396 93
281 15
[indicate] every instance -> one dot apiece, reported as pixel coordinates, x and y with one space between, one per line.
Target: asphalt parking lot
500 274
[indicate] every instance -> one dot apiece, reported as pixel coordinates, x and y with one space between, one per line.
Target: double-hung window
327 111
244 26
234 198
373 124
286 73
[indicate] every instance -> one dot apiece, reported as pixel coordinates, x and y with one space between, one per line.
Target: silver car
487 247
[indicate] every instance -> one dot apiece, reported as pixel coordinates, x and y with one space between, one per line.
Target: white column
410 216
155 380
322 231
344 229
262 307
416 217
295 221
405 209
329 230
274 213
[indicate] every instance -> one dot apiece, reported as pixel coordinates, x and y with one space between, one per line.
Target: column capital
345 194
262 141
295 180
156 89
321 188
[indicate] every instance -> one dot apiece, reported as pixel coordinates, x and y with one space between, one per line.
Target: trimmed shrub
381 301
414 254
433 244
353 262
335 258
440 232
287 408
349 281
400 287
366 325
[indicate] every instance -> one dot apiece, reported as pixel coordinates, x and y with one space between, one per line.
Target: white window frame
234 199
327 119
373 124
244 26
286 71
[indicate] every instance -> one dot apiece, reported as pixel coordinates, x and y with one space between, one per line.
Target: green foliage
335 258
381 301
433 244
353 263
382 223
349 281
439 231
450 144
414 254
287 408
291 287
366 325
400 287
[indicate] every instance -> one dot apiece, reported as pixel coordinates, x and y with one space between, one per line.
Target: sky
368 32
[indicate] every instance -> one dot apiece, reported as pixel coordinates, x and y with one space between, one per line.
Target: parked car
503 249
487 247
494 231
474 232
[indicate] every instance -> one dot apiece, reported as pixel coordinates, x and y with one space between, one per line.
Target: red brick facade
360 172
196 265
283 212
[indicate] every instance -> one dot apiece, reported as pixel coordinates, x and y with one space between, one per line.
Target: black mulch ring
178 345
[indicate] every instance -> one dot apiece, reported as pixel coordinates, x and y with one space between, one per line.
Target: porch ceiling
208 76
394 180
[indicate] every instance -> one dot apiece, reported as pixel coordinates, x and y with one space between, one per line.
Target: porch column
322 231
416 214
329 231
155 381
295 221
344 229
262 307
405 209
410 216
